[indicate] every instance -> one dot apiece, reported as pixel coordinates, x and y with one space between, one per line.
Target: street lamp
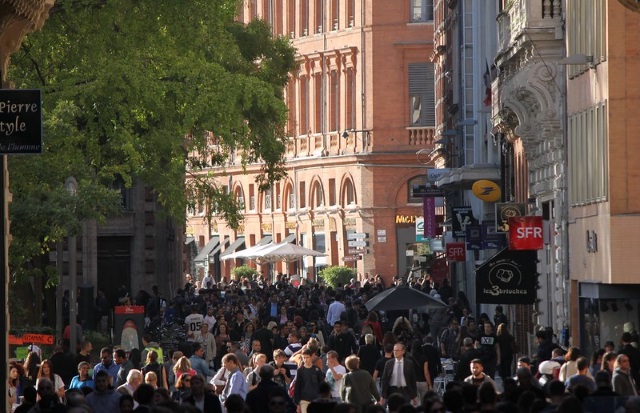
71 185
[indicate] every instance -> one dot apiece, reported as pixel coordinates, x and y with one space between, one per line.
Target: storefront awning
290 238
464 177
233 247
214 252
265 240
188 240
204 252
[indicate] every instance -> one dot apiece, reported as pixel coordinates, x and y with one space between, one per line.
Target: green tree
134 90
337 275
244 271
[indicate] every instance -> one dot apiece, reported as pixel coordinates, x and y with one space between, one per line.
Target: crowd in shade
251 346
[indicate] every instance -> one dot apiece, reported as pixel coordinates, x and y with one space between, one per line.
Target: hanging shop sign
487 191
456 252
525 233
462 216
506 210
509 277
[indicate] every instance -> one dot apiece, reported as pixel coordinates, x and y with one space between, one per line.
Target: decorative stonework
17 19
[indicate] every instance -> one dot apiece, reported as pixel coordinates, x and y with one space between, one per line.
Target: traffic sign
349 258
357 235
357 243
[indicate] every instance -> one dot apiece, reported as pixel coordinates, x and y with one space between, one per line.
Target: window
278 197
332 191
252 198
335 16
303 202
317 196
334 102
348 194
267 200
239 196
318 103
319 16
421 10
421 95
304 19
350 100
587 146
304 105
586 32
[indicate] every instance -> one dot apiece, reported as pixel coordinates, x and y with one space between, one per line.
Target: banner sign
430 224
525 233
439 270
20 121
506 210
462 216
509 277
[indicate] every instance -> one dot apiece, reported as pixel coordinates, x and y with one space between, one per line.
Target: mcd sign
456 251
525 233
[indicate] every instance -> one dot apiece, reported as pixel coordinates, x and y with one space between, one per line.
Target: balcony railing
421 135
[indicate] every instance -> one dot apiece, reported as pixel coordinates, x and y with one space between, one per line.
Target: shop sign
406 219
509 277
266 227
506 210
474 237
525 233
429 211
487 191
439 269
290 225
420 230
20 121
456 252
462 216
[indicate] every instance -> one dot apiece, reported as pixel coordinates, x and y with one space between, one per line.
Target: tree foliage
132 90
337 275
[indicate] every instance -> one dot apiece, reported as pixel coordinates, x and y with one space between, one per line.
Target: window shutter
421 94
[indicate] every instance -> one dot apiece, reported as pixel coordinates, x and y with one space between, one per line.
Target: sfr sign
456 251
525 233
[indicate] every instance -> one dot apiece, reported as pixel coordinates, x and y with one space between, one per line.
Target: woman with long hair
508 349
596 361
183 387
152 365
46 371
13 384
222 338
31 363
570 367
183 365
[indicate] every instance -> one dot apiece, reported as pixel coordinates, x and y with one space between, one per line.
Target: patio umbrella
402 297
286 252
249 253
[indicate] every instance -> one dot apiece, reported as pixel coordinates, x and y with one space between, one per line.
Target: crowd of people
258 347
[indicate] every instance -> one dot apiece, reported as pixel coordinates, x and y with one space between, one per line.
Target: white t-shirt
59 384
211 320
336 384
193 322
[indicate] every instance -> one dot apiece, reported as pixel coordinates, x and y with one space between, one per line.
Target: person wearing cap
548 370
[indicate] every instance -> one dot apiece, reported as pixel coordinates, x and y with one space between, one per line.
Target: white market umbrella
286 252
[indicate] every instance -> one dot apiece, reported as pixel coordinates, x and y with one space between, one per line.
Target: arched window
239 196
348 194
317 195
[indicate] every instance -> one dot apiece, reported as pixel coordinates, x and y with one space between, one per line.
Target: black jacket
409 377
257 398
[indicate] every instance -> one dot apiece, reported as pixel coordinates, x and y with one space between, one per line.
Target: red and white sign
525 233
456 251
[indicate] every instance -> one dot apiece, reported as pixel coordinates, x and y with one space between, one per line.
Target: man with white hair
134 378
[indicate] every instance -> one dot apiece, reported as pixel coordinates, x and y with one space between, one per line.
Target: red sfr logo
525 233
456 251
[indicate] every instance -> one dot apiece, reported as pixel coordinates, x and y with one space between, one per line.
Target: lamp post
71 185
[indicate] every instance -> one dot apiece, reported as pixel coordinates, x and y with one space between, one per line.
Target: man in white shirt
192 323
335 310
335 375
210 319
207 281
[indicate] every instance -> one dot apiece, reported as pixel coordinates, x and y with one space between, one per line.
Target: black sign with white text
20 121
509 277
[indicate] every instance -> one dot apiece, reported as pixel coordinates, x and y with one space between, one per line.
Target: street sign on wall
351 258
354 243
357 235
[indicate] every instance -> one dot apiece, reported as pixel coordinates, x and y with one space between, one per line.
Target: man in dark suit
211 401
399 376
